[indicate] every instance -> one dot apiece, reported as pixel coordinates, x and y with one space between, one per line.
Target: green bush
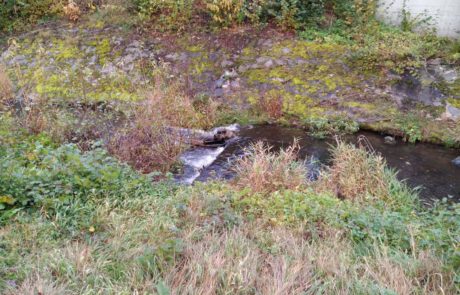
169 15
37 173
16 14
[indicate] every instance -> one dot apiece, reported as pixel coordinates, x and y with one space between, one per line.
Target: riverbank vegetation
80 222
88 204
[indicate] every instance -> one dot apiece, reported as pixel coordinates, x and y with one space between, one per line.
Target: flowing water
426 166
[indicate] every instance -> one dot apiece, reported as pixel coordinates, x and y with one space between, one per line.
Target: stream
425 166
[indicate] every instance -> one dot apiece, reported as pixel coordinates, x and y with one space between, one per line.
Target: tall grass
6 88
356 174
264 171
147 143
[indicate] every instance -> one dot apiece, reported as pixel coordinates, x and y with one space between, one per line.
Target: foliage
411 128
37 173
323 127
357 174
15 13
136 236
263 171
72 11
169 15
391 49
225 12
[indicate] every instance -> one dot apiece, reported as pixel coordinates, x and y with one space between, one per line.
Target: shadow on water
426 166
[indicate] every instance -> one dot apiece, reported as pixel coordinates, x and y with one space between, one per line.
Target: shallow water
421 165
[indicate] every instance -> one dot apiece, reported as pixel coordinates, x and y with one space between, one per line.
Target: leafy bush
14 14
37 173
225 12
169 15
321 127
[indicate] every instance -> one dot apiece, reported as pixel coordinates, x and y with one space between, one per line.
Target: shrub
356 174
37 173
17 14
271 103
168 15
147 147
148 143
225 12
321 127
72 11
263 171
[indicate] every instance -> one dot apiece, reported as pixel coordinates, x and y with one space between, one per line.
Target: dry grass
233 261
35 284
72 11
146 144
246 258
265 171
147 147
355 174
168 101
272 104
6 87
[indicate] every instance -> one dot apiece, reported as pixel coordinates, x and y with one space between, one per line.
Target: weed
72 11
272 104
263 171
6 88
355 174
147 143
411 128
323 127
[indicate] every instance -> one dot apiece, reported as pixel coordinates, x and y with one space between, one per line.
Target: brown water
424 166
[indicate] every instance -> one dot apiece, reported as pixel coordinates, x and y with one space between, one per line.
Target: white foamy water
195 160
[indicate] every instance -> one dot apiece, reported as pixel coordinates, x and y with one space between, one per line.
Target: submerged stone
389 140
456 161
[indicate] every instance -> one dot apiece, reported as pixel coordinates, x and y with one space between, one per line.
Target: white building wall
445 13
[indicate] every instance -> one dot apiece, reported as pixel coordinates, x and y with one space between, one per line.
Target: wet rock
389 140
450 75
456 161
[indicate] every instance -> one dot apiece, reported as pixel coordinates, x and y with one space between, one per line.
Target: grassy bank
87 203
81 223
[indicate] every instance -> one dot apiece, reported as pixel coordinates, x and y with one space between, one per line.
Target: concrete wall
445 13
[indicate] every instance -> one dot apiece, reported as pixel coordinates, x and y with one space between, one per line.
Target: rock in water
389 140
456 161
